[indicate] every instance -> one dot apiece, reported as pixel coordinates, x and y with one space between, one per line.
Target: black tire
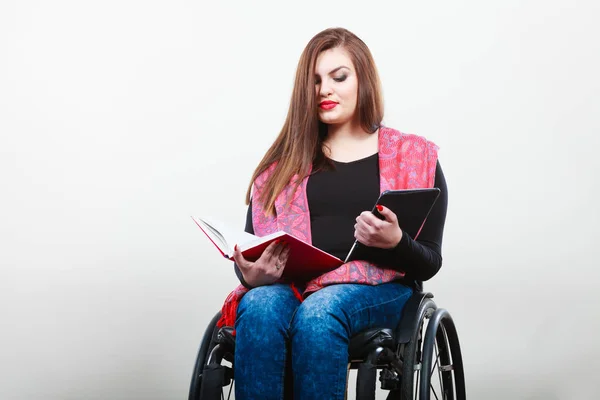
208 342
411 356
457 362
441 352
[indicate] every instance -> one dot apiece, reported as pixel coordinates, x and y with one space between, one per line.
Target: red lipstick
327 105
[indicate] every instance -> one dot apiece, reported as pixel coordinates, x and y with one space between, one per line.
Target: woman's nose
325 90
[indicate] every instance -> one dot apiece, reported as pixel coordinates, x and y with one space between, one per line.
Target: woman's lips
328 105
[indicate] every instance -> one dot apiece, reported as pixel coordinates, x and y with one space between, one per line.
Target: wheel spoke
230 389
441 381
433 390
440 348
437 358
417 385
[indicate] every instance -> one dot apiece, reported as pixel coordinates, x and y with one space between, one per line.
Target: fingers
269 266
360 233
369 229
282 260
269 250
387 213
239 258
367 218
368 224
285 254
362 237
278 249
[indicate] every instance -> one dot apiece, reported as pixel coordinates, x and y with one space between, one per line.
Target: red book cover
304 261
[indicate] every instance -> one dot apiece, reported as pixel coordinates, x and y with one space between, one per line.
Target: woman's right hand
268 268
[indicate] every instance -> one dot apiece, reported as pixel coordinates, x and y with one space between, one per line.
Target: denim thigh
262 341
323 325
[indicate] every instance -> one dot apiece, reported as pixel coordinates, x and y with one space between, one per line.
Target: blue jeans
282 343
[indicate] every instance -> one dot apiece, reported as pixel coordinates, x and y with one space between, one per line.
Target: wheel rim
441 376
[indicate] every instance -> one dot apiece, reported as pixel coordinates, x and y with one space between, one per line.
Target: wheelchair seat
360 345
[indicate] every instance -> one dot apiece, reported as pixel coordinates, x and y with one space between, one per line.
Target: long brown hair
300 141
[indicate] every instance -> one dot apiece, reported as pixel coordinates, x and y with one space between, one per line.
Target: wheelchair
420 359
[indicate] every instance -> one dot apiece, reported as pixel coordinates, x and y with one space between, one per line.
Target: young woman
328 165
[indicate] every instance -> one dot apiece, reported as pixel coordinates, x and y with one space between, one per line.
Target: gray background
120 119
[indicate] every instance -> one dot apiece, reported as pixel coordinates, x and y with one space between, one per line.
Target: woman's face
336 87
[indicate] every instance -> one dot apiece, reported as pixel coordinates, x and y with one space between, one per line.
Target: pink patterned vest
405 162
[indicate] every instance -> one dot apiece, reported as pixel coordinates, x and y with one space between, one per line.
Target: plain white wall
120 119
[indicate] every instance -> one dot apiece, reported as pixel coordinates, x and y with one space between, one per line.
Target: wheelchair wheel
442 373
410 354
434 348
213 373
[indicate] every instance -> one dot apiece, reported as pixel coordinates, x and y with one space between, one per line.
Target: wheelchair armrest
225 337
364 342
410 316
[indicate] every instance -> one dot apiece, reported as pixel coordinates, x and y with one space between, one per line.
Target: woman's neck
349 142
348 131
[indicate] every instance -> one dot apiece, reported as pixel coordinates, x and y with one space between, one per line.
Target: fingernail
235 247
379 207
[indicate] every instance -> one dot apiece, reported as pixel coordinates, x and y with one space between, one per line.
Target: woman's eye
337 79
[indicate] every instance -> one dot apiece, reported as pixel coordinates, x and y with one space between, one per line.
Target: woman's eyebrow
333 71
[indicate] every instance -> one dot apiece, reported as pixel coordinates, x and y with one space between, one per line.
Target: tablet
411 206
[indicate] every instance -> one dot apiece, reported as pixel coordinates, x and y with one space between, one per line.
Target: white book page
225 236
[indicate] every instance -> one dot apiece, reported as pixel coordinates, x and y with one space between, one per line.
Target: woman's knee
267 306
317 318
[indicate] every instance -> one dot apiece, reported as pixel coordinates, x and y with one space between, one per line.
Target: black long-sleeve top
337 196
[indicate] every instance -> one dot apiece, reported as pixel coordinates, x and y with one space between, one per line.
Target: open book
411 206
304 261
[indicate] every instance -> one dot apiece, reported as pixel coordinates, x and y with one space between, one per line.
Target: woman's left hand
374 232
